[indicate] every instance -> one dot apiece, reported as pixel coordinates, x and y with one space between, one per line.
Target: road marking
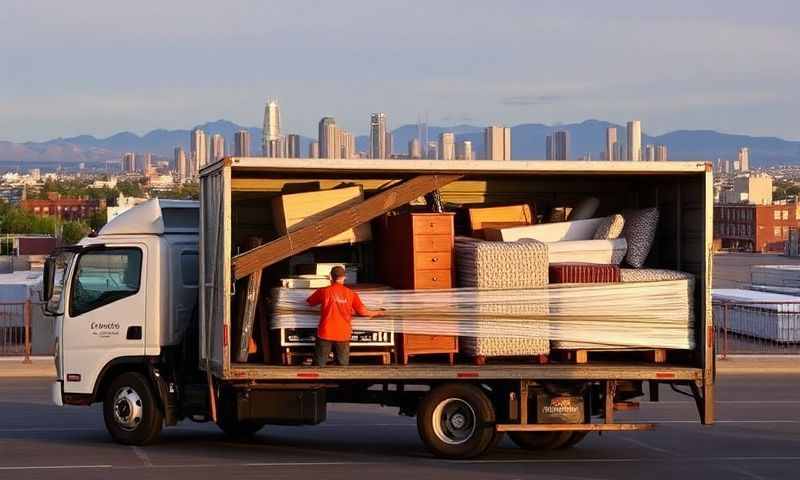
54 467
635 441
418 461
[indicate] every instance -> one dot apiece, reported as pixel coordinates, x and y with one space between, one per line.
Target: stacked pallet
765 315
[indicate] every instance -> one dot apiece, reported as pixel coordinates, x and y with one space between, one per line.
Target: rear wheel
574 439
131 411
457 421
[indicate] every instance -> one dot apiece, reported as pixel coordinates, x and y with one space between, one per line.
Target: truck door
105 313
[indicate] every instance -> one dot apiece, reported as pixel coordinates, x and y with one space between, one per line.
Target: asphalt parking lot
757 437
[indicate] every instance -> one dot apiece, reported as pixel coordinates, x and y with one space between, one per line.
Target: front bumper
56 393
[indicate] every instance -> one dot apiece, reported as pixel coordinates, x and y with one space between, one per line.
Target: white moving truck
146 309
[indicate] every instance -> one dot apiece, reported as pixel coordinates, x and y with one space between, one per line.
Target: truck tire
540 440
131 411
456 421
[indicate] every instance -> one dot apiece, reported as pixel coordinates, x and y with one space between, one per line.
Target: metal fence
16 328
756 327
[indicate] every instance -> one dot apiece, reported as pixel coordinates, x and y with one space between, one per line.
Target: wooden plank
311 235
608 400
576 427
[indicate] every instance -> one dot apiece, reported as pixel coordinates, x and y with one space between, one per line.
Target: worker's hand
379 313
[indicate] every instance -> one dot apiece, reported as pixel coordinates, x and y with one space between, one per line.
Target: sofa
567 242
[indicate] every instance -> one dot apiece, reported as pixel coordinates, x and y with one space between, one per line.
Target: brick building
64 208
754 228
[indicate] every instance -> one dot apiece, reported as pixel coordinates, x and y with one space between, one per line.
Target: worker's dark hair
337 272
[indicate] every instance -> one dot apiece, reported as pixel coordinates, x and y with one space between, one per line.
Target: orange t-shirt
336 312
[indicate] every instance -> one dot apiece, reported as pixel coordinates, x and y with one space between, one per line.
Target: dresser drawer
432 260
432 279
433 224
433 243
444 343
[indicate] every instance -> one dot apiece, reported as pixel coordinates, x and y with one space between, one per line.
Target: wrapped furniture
566 241
682 334
482 264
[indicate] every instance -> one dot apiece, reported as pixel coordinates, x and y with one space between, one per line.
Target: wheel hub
454 421
128 409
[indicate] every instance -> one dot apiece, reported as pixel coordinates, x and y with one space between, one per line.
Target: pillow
585 209
610 228
640 231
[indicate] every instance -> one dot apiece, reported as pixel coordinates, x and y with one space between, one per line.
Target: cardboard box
498 217
298 210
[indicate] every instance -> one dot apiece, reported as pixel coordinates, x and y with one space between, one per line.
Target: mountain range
528 142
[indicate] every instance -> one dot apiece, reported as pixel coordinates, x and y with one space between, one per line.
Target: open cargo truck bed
236 195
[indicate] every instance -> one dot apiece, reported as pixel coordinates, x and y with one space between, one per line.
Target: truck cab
122 299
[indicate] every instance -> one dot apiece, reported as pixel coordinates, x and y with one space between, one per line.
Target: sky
100 67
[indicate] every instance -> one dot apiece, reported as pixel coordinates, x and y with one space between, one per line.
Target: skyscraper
414 149
464 150
389 142
293 146
346 142
181 166
199 150
634 140
241 143
377 136
276 148
313 150
558 145
744 159
129 162
272 126
143 162
649 153
661 153
447 146
498 143
612 148
327 138
433 150
217 144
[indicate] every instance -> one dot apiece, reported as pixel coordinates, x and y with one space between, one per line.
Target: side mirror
48 278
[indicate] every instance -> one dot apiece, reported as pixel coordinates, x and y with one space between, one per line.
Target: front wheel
457 421
130 410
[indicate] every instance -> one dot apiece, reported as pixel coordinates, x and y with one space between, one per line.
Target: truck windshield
103 277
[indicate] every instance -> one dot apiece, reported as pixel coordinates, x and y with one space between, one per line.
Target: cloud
528 100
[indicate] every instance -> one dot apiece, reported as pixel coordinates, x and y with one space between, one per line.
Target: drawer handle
435 279
432 224
435 259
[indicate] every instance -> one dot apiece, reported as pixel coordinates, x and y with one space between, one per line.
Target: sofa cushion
587 251
610 228
546 232
585 209
639 231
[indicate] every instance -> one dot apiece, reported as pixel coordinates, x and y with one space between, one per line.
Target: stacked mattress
495 265
681 333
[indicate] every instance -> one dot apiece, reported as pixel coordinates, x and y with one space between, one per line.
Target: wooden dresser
416 252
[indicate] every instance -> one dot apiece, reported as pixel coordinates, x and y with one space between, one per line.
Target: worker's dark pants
322 350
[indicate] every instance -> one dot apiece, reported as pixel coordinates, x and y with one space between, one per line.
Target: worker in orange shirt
337 304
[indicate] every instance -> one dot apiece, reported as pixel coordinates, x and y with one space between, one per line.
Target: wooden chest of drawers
416 252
